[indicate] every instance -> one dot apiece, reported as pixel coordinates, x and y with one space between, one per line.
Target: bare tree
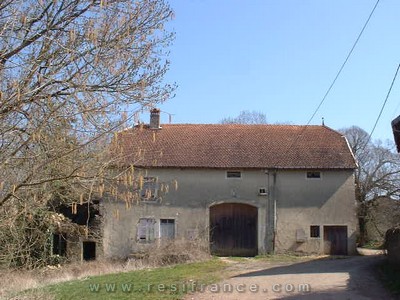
68 71
378 172
378 165
246 117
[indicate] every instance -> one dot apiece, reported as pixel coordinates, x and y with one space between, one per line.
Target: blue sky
280 56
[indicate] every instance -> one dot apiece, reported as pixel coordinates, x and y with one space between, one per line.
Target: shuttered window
167 228
145 230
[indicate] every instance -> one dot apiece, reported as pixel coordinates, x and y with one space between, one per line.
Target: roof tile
233 146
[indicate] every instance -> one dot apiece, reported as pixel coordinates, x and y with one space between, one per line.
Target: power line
395 110
344 63
383 107
336 77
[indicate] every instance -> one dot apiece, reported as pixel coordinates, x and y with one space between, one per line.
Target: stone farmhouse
246 189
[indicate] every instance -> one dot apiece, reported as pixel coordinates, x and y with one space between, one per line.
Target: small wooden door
233 229
335 240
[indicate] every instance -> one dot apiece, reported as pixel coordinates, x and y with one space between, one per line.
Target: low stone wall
392 243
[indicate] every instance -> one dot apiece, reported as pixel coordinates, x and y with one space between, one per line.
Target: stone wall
290 203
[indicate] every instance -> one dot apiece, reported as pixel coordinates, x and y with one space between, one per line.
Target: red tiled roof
235 146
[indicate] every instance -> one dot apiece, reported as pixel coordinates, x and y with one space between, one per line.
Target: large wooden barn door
335 240
233 229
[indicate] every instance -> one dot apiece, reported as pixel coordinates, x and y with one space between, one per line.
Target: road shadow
362 271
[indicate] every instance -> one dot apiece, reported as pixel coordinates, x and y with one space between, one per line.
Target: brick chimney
155 119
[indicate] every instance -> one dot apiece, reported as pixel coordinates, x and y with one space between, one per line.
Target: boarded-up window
149 190
300 236
167 228
145 230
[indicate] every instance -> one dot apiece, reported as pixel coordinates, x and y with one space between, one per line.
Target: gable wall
303 202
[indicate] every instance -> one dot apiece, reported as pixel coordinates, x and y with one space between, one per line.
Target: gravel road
320 278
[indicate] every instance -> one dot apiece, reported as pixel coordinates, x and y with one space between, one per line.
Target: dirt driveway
319 278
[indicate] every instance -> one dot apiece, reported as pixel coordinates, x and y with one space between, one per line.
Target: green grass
276 258
239 258
390 277
281 257
161 283
171 282
375 245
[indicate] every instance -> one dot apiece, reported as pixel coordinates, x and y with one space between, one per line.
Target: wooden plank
335 240
233 229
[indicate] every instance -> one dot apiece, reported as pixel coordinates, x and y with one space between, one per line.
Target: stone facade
246 189
291 204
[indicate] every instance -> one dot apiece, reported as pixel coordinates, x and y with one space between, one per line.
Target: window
167 228
233 174
262 192
145 230
149 190
314 231
313 175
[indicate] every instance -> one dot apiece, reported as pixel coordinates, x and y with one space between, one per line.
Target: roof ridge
236 145
333 130
213 124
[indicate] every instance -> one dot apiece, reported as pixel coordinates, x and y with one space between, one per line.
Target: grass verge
161 283
107 280
284 257
374 245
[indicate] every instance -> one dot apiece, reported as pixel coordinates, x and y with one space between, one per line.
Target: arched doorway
233 229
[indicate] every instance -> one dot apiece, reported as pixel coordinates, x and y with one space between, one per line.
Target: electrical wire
383 107
344 63
396 110
336 77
